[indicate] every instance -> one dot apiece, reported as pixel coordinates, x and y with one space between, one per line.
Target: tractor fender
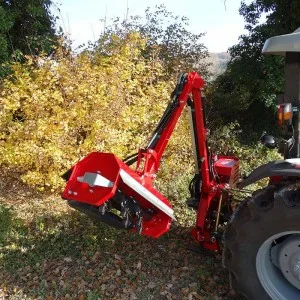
288 167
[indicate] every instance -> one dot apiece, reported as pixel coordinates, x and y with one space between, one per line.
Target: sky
219 19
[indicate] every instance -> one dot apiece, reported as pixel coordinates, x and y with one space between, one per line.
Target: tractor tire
262 245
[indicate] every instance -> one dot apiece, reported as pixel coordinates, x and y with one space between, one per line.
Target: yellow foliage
54 112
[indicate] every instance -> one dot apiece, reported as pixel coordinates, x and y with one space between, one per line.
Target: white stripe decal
136 186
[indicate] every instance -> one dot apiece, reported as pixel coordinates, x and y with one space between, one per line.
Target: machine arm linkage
187 84
104 187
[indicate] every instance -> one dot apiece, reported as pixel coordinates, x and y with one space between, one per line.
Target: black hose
131 159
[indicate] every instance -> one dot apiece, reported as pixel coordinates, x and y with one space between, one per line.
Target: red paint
147 165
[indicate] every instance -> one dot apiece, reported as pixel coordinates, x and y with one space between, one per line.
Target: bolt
69 192
212 239
98 172
91 191
75 193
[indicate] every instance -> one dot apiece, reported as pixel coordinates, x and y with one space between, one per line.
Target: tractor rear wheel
262 244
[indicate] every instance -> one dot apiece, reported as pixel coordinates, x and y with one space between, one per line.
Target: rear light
285 113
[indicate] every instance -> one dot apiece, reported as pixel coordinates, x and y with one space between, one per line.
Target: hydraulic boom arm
106 188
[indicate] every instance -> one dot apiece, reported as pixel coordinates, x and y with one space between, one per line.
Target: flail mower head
104 187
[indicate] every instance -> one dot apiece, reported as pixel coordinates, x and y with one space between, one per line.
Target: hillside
218 62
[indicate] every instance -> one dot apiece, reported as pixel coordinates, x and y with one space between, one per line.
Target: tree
168 40
26 27
247 90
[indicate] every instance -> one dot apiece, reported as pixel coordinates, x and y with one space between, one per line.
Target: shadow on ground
68 256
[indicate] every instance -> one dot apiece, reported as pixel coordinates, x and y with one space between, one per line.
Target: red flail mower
260 240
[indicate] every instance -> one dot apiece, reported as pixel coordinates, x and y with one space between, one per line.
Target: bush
54 112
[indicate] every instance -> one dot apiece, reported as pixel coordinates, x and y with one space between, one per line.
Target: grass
50 251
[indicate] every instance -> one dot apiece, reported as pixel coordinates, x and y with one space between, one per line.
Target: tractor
260 239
